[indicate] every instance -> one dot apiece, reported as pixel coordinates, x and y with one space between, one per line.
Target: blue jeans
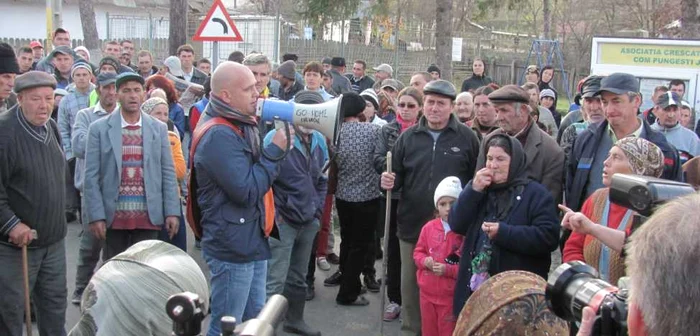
290 257
237 290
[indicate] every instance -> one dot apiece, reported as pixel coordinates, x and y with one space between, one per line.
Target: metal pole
150 31
109 37
57 14
396 39
276 52
215 54
342 38
49 22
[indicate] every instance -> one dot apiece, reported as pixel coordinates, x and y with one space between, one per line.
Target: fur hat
8 60
450 186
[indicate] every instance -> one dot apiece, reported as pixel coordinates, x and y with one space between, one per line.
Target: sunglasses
405 105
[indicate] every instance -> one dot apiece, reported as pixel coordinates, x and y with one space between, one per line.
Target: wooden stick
27 308
385 258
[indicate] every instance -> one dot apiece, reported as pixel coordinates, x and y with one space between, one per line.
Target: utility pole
54 17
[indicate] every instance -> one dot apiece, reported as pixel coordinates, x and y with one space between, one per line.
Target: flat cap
441 87
326 60
385 67
619 83
287 69
509 94
129 77
590 86
33 79
63 50
338 61
391 83
106 78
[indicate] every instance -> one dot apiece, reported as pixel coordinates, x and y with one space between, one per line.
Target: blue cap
619 83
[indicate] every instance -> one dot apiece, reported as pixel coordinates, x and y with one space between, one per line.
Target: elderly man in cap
9 69
90 246
382 72
437 147
289 86
340 83
620 98
300 192
667 112
545 159
130 189
32 175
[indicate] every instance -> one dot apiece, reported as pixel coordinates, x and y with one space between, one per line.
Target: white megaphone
325 118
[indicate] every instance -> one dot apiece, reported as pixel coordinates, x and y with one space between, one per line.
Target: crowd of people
478 178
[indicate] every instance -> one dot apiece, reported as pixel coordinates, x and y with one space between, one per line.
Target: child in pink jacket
437 259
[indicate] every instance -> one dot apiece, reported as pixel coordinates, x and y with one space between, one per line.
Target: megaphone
325 118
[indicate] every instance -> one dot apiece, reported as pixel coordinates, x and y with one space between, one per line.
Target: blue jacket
584 151
524 241
230 195
177 115
300 188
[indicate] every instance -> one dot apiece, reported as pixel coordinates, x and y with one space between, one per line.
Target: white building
115 18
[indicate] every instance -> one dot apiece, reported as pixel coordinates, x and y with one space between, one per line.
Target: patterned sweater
132 211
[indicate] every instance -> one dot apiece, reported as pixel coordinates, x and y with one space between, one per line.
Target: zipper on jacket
432 165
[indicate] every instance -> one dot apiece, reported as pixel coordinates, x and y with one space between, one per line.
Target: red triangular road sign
217 26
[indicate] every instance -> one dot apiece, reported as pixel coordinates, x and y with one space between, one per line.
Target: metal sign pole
215 54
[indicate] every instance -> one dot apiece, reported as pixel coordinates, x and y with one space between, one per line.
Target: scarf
499 202
403 123
247 123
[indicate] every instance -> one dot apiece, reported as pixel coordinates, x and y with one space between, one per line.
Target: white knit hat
450 186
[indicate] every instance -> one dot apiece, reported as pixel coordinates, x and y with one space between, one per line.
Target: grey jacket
103 169
340 83
78 140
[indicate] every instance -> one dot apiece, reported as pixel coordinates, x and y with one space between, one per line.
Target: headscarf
501 194
510 303
148 106
645 158
127 295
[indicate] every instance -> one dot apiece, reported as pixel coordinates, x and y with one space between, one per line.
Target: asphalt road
322 312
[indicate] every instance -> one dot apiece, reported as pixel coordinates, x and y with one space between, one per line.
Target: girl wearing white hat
437 259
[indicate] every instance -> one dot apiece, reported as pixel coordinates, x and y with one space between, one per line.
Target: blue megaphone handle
274 110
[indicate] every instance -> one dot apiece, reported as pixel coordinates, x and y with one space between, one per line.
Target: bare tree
178 25
546 19
443 37
87 20
690 20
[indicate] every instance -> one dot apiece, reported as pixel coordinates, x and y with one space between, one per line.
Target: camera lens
573 286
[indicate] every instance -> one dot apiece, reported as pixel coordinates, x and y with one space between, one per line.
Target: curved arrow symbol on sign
223 24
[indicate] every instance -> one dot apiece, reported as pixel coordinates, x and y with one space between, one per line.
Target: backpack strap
194 213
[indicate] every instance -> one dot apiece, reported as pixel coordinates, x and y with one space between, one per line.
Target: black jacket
288 95
474 82
584 151
420 165
363 84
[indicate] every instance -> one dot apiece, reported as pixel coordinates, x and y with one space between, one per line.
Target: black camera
574 286
642 193
185 309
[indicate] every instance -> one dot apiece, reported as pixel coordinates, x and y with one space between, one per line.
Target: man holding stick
32 198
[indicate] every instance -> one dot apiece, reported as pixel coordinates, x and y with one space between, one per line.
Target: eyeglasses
405 105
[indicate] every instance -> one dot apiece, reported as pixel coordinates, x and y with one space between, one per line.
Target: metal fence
140 27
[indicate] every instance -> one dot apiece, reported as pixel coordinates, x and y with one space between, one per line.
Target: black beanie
352 105
8 60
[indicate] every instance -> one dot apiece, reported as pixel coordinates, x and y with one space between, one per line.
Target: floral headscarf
148 106
645 158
